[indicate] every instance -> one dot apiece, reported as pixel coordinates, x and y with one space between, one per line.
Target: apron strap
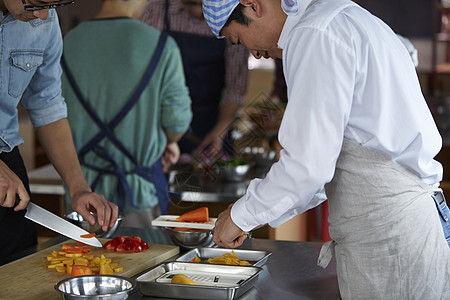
326 253
107 130
144 81
123 188
156 175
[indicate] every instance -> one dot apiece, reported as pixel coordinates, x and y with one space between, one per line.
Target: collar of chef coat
291 21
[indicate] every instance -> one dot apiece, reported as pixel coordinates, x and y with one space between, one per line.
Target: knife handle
17 201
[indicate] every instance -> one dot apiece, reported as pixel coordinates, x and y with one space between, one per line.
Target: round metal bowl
190 239
96 287
261 156
232 173
77 219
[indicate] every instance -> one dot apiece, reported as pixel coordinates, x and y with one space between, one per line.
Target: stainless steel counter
290 272
203 186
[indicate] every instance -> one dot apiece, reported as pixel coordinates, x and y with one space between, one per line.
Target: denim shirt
30 71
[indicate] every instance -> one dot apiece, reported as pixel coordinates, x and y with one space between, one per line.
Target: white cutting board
171 221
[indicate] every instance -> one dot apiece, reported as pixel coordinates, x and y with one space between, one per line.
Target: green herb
233 162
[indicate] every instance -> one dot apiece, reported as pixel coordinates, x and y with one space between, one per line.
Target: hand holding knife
53 222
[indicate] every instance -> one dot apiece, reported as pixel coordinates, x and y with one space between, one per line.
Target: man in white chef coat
357 131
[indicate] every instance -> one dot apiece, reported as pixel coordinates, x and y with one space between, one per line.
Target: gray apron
386 231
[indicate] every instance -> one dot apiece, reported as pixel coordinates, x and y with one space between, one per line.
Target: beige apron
386 231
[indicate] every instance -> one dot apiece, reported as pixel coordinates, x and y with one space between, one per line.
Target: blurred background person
128 103
216 73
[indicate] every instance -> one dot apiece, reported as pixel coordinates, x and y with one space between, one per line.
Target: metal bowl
261 156
98 287
77 219
190 239
232 173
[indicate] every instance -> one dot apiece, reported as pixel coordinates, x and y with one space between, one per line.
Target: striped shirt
236 56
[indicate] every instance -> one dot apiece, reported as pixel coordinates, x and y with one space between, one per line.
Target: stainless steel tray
211 281
256 258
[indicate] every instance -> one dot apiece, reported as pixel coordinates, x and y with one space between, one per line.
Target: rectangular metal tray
257 258
211 281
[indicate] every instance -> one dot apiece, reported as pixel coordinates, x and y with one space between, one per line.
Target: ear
255 6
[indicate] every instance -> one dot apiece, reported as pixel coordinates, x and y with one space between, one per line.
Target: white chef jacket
348 75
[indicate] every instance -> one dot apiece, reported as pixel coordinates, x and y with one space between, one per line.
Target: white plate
170 221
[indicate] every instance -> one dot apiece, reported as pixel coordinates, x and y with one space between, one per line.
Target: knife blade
47 219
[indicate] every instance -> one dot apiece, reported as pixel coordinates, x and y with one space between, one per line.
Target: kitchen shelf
442 7
442 68
442 37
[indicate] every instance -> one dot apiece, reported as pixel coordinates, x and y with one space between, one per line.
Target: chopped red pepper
126 244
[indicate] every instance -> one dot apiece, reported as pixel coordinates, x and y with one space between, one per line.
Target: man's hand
85 202
170 156
226 233
10 186
211 145
56 139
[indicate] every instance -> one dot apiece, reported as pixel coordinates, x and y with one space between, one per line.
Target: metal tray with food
209 281
257 258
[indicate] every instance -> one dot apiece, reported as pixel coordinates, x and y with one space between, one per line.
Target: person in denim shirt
31 47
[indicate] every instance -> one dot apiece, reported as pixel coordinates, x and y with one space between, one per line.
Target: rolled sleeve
43 98
47 115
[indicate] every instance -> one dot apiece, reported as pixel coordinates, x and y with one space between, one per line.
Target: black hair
238 16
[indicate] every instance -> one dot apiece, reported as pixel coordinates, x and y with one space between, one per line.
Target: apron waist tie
155 175
123 187
326 253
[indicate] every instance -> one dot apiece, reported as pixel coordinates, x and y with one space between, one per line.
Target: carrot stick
88 236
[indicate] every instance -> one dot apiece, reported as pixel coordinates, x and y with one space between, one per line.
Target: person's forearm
227 114
173 137
56 139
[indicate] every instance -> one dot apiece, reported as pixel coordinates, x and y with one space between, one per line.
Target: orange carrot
88 236
73 251
197 215
67 247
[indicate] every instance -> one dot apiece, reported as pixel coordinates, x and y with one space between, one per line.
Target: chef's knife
45 218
